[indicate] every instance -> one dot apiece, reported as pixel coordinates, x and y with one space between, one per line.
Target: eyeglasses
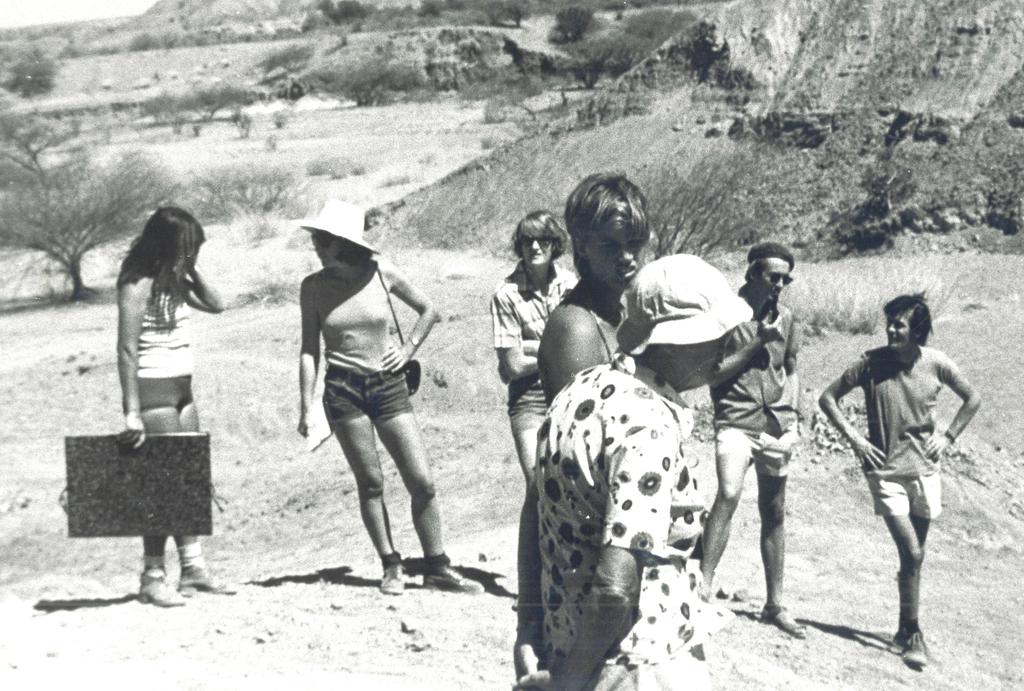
544 243
774 277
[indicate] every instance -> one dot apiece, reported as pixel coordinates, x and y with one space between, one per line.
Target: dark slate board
162 488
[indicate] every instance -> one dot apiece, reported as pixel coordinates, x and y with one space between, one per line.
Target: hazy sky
25 12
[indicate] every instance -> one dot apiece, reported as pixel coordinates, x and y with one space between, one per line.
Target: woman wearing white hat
348 303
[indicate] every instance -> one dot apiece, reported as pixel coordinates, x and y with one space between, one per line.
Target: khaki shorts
770 455
903 496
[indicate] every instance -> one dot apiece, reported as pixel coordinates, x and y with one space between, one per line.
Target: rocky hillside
201 13
837 97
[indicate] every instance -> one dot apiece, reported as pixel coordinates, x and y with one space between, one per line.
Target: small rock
410 626
483 557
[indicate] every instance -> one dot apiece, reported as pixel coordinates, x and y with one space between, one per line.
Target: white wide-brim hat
680 300
341 219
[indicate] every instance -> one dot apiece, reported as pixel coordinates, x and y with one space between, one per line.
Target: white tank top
165 347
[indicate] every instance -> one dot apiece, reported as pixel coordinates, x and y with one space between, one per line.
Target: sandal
777 615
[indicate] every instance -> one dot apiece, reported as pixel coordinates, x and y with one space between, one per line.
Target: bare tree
706 206
26 138
78 205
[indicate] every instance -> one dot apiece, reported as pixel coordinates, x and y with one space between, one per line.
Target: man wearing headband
755 399
606 597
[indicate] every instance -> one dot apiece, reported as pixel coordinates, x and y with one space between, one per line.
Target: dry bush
395 180
31 73
334 166
370 81
269 289
848 295
707 206
293 58
226 192
488 143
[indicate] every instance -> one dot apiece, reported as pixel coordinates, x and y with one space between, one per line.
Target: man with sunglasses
755 393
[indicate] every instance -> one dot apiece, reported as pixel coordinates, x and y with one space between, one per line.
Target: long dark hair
164 251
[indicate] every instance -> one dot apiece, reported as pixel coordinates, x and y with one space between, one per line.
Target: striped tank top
165 344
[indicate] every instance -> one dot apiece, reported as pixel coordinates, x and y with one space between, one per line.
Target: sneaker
393 581
197 579
153 590
916 654
448 579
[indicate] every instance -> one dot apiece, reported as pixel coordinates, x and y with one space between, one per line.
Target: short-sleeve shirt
519 311
759 398
611 472
900 400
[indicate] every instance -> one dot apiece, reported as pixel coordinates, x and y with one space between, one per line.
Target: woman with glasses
519 310
348 304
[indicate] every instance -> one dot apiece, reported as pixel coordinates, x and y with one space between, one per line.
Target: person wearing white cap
348 304
756 423
607 598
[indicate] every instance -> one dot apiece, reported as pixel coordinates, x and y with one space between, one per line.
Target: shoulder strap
600 332
387 294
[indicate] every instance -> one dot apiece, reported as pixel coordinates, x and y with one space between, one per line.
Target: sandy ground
309 610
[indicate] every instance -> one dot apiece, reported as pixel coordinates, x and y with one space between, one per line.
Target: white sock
191 556
153 565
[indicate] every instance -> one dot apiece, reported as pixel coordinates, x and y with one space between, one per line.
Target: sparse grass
488 143
848 295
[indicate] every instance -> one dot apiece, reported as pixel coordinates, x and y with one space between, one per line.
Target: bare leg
360 449
525 437
771 504
909 533
731 465
156 421
401 437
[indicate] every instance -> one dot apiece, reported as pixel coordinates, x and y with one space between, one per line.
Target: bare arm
132 299
309 355
518 361
571 343
202 295
864 450
971 402
405 291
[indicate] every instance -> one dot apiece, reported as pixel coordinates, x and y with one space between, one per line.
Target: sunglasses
774 277
544 243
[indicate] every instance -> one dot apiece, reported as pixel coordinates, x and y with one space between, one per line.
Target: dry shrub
711 205
848 295
292 58
333 166
269 289
226 192
395 180
369 82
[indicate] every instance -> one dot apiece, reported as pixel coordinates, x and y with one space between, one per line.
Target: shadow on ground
868 639
50 606
342 575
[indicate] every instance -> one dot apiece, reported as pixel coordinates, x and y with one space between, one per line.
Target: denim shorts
526 404
379 396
